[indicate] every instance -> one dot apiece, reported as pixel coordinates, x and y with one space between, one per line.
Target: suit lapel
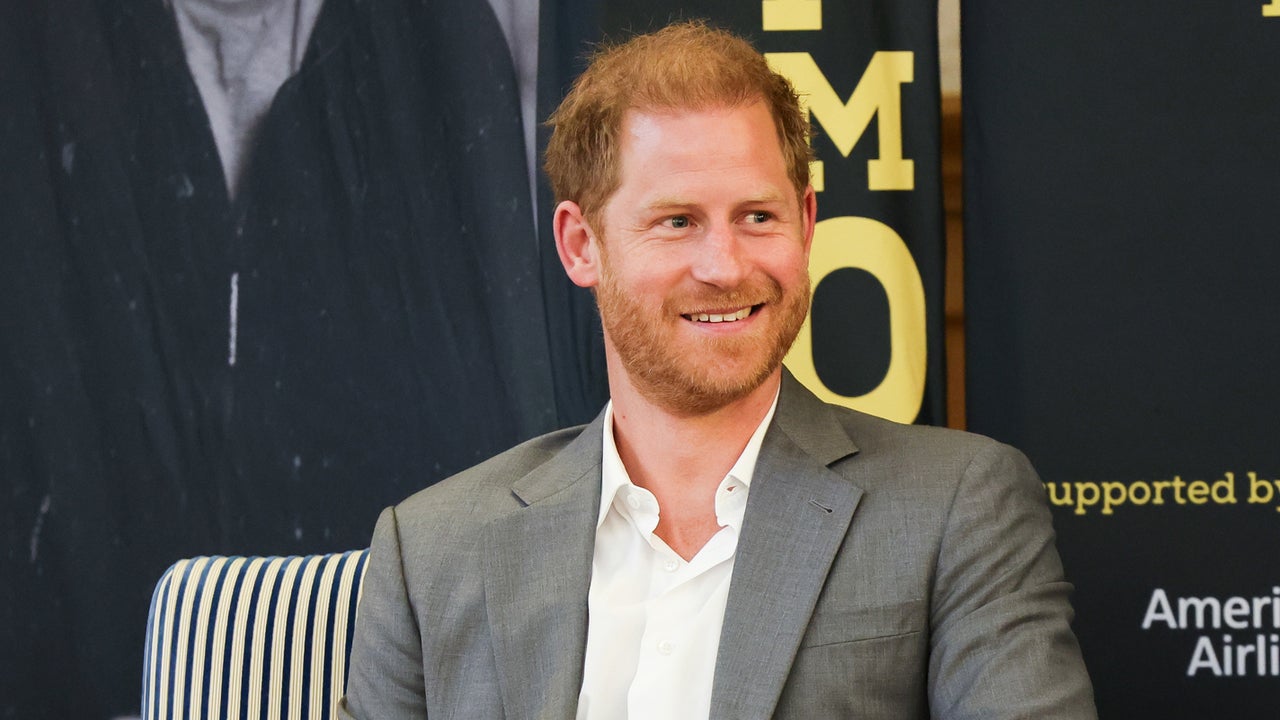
798 512
538 571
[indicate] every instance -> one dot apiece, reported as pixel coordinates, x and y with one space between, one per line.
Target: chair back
253 638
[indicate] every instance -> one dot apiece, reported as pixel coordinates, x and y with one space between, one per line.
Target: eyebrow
667 203
674 202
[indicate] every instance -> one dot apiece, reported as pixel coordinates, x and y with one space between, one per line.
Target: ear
576 244
809 209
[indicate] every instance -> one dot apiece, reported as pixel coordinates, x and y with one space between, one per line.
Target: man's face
703 249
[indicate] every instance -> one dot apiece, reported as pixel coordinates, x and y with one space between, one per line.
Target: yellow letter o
870 245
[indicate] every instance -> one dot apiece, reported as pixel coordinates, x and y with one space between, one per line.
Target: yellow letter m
879 93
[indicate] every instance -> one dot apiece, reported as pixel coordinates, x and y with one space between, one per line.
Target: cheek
789 268
655 275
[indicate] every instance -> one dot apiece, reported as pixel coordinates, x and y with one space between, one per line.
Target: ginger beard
688 373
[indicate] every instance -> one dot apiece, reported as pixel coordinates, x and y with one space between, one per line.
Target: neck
661 447
682 459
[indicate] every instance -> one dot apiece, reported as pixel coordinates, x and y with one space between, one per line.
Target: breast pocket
831 625
860 662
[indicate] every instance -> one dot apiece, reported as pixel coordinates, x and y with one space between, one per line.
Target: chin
702 392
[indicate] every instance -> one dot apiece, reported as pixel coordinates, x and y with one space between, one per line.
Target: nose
721 259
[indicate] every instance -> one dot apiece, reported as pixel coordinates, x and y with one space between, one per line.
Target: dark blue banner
1122 162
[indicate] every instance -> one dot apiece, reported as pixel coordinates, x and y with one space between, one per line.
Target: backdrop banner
1122 164
201 356
189 371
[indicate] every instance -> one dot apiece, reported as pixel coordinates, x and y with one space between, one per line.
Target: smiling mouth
721 317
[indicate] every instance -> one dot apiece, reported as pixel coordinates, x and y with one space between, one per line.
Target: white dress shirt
654 620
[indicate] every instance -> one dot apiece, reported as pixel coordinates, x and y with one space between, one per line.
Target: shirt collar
613 474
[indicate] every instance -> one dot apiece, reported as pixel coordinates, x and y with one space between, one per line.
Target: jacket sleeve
385 679
1001 641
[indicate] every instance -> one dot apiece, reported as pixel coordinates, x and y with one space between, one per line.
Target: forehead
716 144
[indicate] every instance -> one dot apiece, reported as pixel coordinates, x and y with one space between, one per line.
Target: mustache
711 300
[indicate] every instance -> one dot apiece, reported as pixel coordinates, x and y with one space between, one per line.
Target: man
718 543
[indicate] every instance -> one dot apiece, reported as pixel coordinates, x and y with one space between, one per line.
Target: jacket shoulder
485 490
871 432
924 453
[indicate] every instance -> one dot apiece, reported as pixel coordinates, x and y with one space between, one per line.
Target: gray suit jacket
883 571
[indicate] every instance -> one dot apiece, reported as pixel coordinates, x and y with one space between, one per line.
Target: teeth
716 318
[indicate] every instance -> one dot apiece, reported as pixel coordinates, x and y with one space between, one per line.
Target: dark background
1122 165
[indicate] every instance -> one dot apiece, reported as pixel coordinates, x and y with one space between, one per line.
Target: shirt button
633 502
665 648
670 565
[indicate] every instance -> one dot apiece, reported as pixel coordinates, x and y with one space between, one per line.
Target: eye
759 216
678 222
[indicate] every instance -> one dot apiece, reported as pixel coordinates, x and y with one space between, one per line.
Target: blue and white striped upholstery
258 638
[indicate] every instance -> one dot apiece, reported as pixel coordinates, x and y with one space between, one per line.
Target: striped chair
251 637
